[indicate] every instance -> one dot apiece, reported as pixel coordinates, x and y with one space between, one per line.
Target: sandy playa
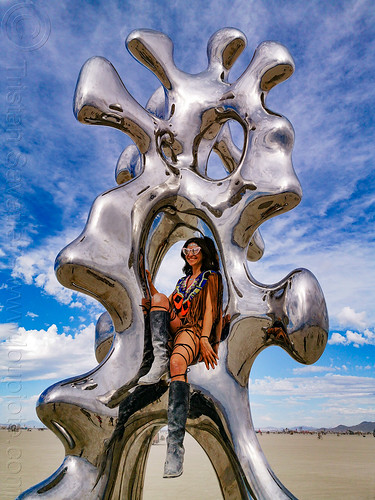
334 467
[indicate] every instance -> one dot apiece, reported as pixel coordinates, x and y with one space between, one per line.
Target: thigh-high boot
159 322
178 409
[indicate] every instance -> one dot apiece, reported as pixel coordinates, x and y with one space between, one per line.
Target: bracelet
204 337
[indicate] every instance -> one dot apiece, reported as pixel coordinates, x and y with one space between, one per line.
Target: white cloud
361 367
357 339
337 338
26 407
315 250
315 369
32 315
35 267
12 238
329 386
47 354
349 316
7 330
329 369
324 401
77 305
357 408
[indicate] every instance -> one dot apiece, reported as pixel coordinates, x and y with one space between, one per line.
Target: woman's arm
208 354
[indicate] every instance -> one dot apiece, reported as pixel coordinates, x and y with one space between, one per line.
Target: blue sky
53 168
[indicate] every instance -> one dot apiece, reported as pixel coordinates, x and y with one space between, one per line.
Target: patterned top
183 296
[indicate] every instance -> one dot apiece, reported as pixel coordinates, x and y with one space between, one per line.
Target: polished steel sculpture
167 193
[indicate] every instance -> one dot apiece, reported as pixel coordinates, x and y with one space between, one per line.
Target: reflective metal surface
166 193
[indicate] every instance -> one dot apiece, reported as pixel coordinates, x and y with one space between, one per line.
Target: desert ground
333 467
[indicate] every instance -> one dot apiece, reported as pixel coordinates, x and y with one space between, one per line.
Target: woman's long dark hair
210 258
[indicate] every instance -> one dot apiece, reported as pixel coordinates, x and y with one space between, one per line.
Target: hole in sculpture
169 230
170 267
237 134
199 475
215 168
227 152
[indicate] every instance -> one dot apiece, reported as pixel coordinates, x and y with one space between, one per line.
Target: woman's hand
215 347
146 305
208 355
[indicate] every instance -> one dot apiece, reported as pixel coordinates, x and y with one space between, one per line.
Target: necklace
192 278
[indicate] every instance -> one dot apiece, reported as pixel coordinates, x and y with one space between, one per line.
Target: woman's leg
159 325
159 302
178 409
185 351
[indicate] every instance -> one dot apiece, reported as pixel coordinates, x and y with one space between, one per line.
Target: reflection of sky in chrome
329 102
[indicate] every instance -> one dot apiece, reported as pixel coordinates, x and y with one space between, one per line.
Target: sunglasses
192 251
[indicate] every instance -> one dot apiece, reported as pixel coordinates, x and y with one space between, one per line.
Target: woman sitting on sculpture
185 328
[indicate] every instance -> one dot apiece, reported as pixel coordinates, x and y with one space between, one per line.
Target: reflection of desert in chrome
327 467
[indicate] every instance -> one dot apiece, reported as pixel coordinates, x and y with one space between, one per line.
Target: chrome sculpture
167 193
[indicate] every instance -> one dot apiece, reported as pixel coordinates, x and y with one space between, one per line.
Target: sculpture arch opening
198 473
227 152
163 251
